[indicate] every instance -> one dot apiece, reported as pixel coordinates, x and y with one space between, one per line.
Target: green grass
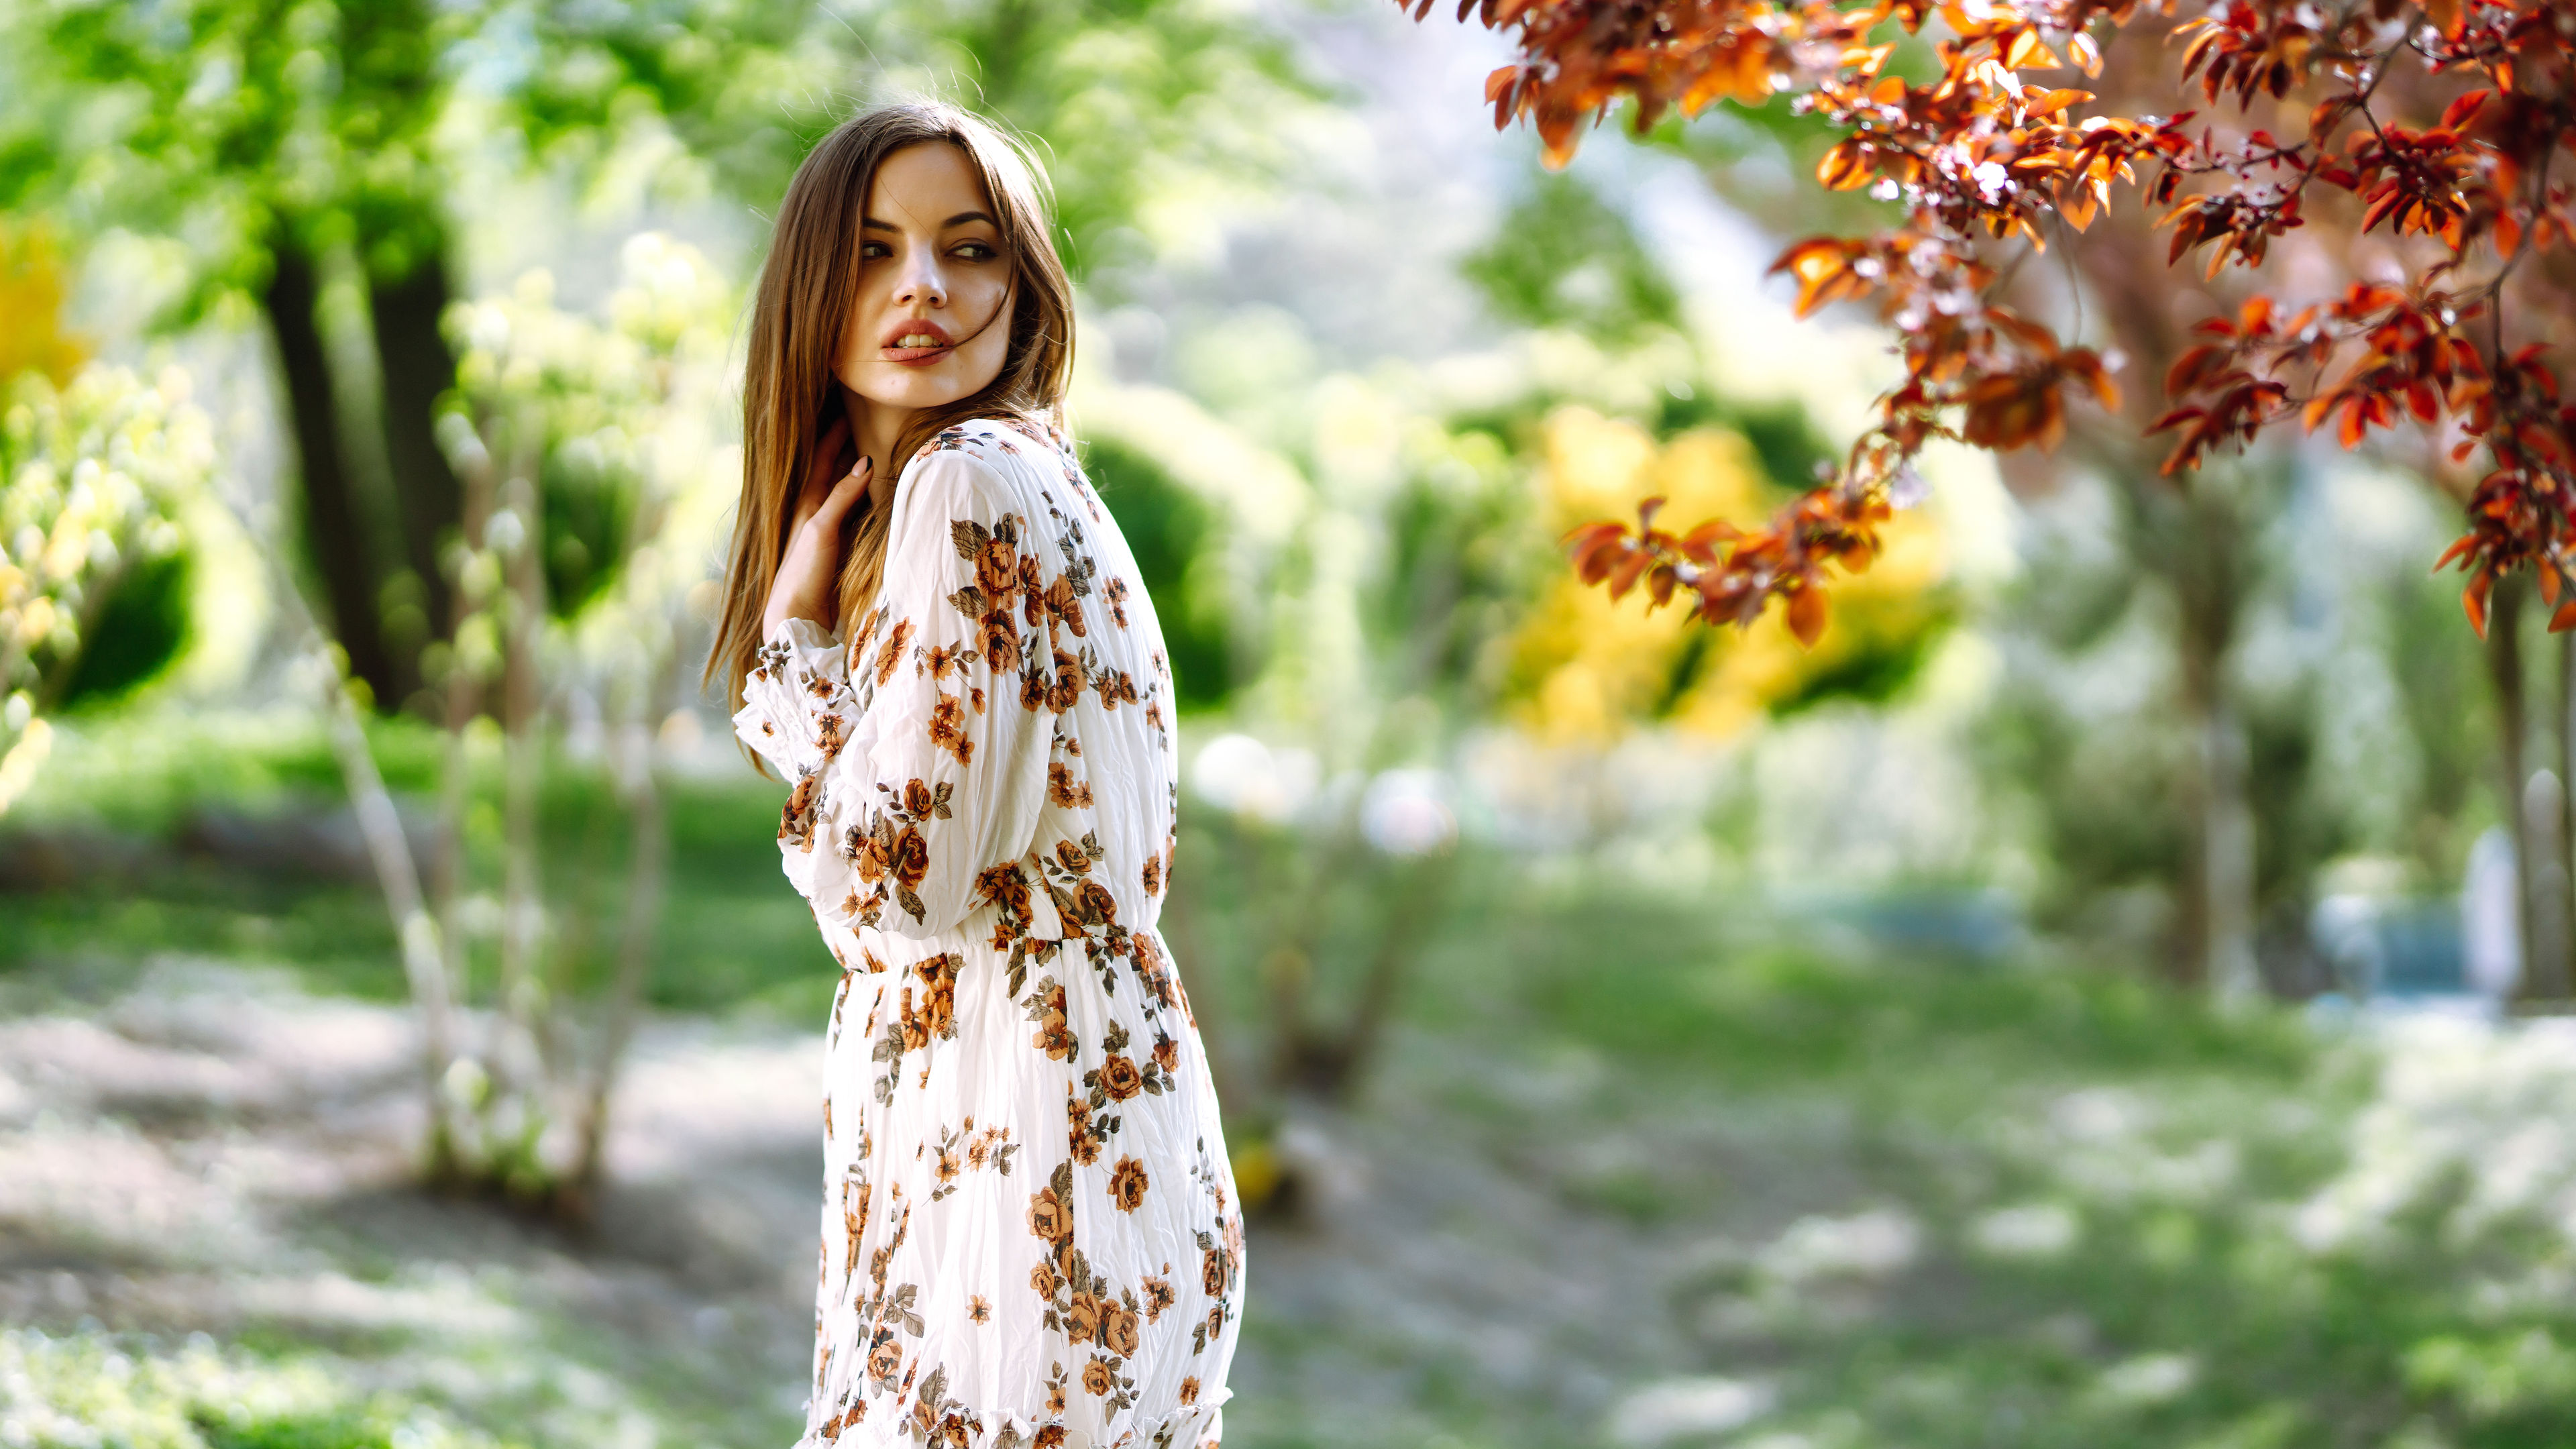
90 1389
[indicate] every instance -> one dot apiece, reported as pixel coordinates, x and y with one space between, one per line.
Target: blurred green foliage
1782 435
1885 662
330 1430
235 113
1170 530
589 505
1561 258
153 805
224 119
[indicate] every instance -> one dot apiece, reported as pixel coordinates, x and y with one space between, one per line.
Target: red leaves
1605 553
1579 56
1823 267
2421 181
2005 411
2242 225
1734 584
2240 406
2474 599
2406 355
1807 614
1979 153
2245 48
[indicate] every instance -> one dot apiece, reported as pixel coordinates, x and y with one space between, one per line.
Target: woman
1031 1235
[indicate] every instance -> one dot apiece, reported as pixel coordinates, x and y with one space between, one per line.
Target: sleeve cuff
810 651
802 672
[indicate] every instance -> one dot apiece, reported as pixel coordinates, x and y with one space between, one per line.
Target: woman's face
928 327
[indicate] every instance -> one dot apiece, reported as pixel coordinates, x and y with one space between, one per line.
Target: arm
930 767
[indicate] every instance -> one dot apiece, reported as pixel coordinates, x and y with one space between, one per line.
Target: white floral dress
1031 1234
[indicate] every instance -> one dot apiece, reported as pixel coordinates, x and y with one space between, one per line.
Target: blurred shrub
1171 530
2095 734
93 479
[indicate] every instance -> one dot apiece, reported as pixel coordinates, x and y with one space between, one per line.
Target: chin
894 386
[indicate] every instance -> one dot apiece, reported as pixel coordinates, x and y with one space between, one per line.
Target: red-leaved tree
2429 130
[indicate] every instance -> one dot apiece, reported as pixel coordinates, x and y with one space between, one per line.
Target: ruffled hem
1197 1426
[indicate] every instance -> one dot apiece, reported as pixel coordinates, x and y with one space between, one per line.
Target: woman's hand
804 587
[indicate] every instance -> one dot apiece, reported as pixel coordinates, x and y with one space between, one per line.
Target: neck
875 429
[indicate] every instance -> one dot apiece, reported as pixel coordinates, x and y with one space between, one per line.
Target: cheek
984 356
860 329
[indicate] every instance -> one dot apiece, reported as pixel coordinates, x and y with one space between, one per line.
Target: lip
887 351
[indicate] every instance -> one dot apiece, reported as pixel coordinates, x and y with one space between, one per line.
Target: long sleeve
912 780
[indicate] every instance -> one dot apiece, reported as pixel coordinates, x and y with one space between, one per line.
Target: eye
975 251
875 251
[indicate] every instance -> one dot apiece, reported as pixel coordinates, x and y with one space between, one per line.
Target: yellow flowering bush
32 284
1584 666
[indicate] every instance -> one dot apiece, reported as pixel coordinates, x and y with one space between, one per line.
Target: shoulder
987 466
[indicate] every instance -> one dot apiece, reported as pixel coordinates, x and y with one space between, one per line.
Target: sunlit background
2074 1004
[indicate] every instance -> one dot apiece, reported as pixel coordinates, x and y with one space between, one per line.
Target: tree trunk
2505 676
1416 910
463 688
334 527
2218 883
1328 1060
2226 854
2544 810
2201 560
424 958
2560 886
418 366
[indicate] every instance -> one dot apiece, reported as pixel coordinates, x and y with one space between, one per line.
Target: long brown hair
808 288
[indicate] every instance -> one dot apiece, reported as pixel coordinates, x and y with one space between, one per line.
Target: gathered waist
1032 909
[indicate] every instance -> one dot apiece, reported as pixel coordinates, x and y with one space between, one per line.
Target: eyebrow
960 219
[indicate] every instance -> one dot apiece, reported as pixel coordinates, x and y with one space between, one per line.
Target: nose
920 280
